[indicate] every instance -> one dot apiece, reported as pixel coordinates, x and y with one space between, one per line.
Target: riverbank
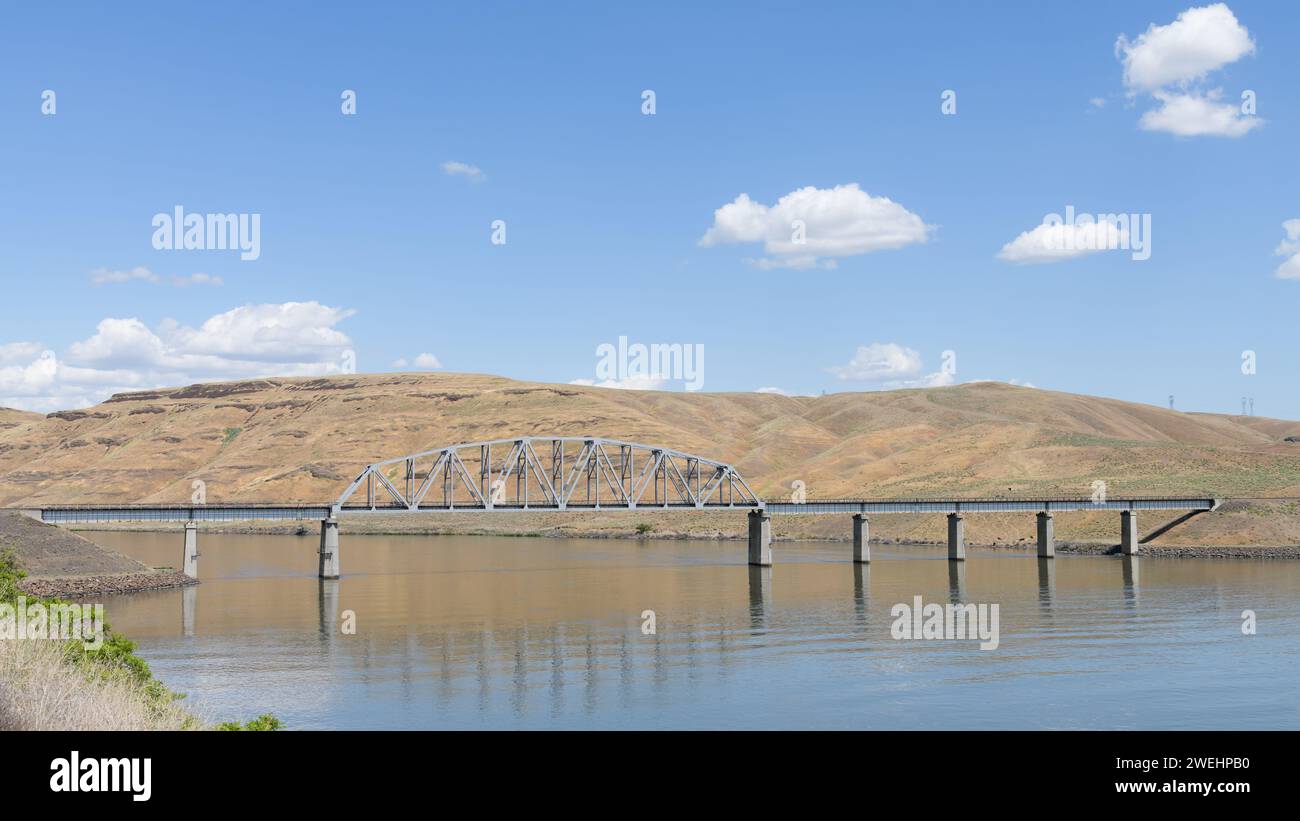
96 682
60 563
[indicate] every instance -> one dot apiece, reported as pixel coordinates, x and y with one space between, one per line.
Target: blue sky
386 254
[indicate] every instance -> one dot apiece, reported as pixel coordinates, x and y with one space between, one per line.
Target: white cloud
836 222
1053 242
461 169
892 366
19 352
196 279
1201 40
289 339
1098 102
102 276
938 379
1165 61
280 332
777 391
105 276
424 361
1290 248
1197 115
631 383
879 361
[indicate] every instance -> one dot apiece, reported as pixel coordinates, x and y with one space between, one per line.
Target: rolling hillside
10 418
303 439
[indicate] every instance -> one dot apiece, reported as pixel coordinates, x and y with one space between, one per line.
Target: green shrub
263 723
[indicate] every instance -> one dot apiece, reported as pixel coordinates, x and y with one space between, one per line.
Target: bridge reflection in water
508 632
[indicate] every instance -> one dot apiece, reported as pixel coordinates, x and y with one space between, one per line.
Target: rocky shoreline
1167 551
80 587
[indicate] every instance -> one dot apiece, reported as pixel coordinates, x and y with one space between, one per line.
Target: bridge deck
868 506
234 513
182 513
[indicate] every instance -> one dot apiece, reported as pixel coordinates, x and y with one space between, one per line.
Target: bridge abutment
190 558
861 539
760 538
329 549
956 537
1046 536
1128 533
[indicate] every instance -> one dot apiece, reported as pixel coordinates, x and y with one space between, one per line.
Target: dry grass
40 689
303 439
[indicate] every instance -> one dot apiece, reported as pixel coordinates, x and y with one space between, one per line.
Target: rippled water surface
481 632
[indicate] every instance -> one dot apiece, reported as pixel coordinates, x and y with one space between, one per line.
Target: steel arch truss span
548 473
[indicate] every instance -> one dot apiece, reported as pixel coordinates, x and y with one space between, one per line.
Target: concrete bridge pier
328 601
1131 567
760 596
1046 536
861 539
1046 582
957 582
760 538
1128 532
190 558
956 537
861 581
189 601
329 549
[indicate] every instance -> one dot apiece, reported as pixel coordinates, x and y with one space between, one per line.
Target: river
532 633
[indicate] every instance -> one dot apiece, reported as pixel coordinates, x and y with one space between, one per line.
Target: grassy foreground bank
57 684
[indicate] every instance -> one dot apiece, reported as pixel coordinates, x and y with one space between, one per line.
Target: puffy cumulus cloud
12 352
1198 115
289 339
812 226
892 366
1199 41
463 169
879 361
120 343
45 384
286 332
1290 248
1057 241
1165 61
777 391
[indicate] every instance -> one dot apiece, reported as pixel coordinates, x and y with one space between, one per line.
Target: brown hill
11 418
282 440
48 551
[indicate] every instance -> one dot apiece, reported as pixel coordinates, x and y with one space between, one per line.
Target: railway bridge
593 474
